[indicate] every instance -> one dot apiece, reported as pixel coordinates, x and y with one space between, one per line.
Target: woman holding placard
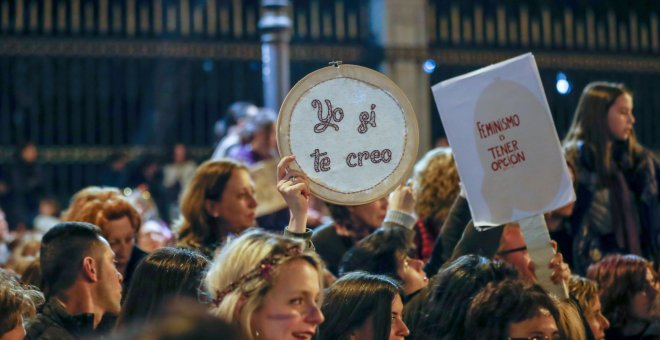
617 206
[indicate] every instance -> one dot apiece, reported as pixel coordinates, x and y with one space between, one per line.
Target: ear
90 269
211 207
239 307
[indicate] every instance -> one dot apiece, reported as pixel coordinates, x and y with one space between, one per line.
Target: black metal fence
85 78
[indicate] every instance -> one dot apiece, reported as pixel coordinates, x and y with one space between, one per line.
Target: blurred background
91 81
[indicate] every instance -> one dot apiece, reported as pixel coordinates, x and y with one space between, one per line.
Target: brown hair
208 184
16 301
100 212
590 125
500 304
619 277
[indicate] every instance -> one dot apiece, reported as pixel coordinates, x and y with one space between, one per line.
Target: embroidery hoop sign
353 132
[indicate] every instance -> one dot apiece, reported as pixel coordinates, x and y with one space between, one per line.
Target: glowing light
563 85
429 66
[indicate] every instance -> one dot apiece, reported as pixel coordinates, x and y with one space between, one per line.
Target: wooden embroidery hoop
370 78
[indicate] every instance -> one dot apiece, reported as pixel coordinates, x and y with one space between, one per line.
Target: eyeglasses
509 251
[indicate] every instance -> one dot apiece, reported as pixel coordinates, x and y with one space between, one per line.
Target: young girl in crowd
219 201
363 306
617 179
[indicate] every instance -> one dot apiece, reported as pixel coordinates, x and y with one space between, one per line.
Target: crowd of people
408 265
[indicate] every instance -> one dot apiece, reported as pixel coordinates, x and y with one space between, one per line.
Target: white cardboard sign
504 141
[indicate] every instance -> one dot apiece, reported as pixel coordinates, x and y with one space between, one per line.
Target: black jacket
53 322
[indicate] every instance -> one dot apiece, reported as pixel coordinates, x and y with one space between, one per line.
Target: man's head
74 254
513 250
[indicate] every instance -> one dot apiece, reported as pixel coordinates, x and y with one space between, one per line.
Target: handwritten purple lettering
334 115
367 119
321 161
358 159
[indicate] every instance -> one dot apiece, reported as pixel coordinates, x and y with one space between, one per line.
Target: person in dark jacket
81 282
617 209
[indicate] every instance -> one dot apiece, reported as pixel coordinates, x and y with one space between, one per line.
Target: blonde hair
195 223
101 212
584 291
16 301
240 256
436 184
86 195
570 323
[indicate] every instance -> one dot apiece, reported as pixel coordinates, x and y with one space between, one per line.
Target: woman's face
371 214
597 321
121 237
291 309
398 329
641 306
412 274
237 208
620 118
542 325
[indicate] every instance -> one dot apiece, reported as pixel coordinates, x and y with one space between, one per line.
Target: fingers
553 243
560 270
283 165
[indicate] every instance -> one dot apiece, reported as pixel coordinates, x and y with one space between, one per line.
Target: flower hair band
264 270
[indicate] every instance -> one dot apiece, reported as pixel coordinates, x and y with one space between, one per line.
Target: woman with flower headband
270 285
267 284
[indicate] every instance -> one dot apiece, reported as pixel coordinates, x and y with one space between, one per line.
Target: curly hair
436 185
86 195
16 301
101 212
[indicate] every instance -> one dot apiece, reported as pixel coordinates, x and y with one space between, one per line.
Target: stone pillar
399 26
275 27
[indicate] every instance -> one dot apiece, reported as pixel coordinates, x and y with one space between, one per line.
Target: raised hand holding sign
353 132
507 152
